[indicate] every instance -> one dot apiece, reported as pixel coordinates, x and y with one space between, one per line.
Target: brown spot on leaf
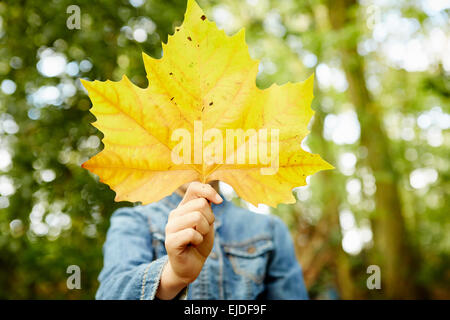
171 74
211 103
171 98
203 17
189 38
178 29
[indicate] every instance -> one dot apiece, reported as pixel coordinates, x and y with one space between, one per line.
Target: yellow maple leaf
200 91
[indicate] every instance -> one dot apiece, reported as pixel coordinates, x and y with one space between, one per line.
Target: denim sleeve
284 278
129 271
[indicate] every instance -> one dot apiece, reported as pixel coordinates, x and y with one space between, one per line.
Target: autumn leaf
204 85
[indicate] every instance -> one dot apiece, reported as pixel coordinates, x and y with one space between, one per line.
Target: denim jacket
252 258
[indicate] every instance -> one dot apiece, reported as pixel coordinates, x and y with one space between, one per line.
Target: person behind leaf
195 245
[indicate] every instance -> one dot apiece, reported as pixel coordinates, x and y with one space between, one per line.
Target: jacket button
213 255
251 249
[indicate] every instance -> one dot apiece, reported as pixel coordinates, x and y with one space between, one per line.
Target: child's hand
189 239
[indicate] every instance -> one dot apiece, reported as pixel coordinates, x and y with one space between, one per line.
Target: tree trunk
324 249
392 252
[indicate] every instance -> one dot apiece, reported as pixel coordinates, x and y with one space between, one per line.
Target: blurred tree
389 228
58 214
